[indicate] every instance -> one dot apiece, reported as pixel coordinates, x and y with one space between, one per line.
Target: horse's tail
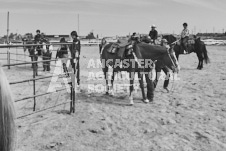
7 115
206 58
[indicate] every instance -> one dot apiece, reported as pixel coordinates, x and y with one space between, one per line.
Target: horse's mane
169 38
7 115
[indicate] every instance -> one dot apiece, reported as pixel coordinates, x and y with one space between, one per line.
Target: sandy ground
191 117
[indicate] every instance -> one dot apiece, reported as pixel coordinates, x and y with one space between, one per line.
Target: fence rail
30 45
34 79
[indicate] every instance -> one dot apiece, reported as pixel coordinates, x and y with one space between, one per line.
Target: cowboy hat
153 26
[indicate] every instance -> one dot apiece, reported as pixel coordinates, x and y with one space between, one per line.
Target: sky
112 17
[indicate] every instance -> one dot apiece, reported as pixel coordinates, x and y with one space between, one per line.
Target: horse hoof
112 94
131 103
146 101
106 93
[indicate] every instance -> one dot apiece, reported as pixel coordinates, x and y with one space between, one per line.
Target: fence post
34 72
71 98
8 58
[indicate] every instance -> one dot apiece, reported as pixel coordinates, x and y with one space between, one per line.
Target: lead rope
135 57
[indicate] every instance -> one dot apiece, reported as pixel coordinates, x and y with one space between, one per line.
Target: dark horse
159 66
198 47
139 52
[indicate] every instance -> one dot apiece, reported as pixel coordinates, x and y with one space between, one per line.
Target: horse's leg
141 81
202 59
150 88
158 72
201 64
105 70
199 61
199 58
177 56
131 76
112 82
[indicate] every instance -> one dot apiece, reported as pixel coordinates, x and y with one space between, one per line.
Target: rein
175 42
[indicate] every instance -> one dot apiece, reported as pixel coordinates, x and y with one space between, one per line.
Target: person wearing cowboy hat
185 37
153 34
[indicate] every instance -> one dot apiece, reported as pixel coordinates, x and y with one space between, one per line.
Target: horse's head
171 61
197 42
170 38
103 41
102 44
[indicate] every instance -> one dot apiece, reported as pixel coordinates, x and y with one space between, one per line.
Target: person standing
75 49
47 55
62 53
153 34
159 68
185 37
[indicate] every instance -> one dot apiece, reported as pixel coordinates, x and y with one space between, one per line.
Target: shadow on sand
100 98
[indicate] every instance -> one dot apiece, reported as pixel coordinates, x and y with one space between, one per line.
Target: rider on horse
37 40
38 36
153 34
185 37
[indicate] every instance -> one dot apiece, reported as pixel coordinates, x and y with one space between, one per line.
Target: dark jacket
153 34
37 38
75 47
63 50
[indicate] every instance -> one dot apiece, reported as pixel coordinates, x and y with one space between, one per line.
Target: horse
142 51
7 115
159 67
198 47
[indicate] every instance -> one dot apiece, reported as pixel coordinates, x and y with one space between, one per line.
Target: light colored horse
7 115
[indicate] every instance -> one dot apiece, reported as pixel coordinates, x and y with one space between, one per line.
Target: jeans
184 43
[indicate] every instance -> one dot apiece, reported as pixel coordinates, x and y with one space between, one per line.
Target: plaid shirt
185 33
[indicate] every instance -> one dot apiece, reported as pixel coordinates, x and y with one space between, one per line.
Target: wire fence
17 58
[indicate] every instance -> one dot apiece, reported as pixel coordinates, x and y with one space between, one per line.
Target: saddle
120 48
191 41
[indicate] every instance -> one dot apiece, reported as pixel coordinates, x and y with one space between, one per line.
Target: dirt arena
191 117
